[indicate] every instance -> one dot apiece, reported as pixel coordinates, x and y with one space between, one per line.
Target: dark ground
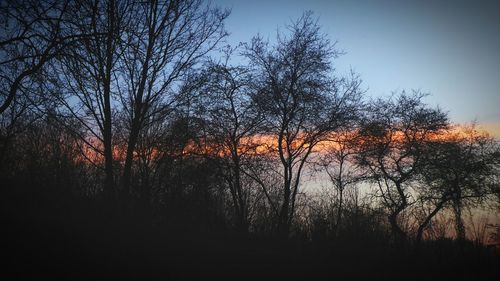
45 241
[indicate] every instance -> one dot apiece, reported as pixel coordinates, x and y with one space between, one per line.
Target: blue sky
450 49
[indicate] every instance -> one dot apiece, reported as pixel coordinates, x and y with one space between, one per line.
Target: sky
449 49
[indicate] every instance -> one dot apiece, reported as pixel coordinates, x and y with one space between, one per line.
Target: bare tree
165 40
32 33
89 74
337 160
132 67
233 121
461 170
392 144
301 101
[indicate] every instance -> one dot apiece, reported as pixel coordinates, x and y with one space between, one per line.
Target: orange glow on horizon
268 144
492 128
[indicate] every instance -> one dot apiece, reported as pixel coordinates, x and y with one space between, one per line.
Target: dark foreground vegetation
85 241
133 145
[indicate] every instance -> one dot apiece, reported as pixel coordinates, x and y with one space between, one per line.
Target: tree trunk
240 206
425 223
459 222
107 122
129 158
339 212
399 234
283 221
109 188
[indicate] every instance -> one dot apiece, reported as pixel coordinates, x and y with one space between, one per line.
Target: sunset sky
449 49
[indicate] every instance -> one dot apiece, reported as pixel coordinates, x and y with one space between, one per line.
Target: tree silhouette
33 34
338 162
393 138
301 101
165 40
88 74
233 121
459 170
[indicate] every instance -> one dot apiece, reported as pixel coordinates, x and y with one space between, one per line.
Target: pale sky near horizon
449 49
